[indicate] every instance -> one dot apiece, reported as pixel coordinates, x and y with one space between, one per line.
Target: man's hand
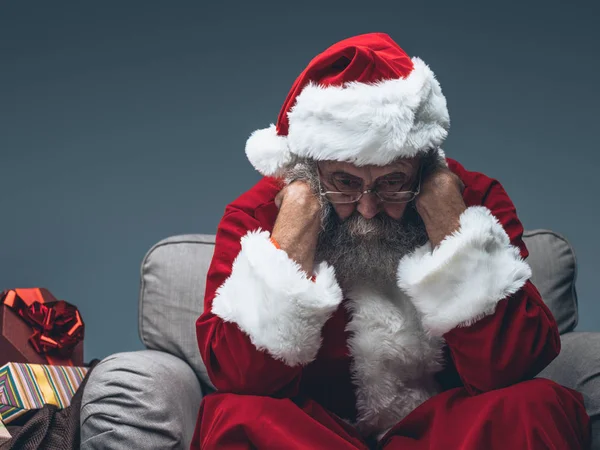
297 226
299 193
440 203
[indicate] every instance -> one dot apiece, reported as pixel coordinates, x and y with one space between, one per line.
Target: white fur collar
394 361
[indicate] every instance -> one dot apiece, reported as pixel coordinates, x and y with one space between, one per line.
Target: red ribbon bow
57 325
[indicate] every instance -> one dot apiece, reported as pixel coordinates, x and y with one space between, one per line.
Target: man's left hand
440 203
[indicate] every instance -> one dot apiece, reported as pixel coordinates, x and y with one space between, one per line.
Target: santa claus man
370 292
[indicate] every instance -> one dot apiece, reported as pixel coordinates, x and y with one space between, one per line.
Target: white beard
367 252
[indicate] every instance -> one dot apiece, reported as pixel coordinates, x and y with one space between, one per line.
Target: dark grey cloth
578 367
50 428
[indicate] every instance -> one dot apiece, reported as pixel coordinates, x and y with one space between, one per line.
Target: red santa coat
465 315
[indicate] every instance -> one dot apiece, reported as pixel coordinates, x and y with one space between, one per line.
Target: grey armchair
149 399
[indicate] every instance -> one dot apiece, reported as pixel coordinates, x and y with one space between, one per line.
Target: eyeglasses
387 196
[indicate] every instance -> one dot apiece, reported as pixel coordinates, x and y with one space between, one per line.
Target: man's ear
432 161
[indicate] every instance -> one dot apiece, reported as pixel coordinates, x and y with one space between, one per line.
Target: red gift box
38 329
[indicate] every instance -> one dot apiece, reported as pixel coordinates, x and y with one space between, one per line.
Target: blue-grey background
124 122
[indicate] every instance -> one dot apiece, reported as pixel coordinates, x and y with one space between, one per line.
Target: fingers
298 191
279 198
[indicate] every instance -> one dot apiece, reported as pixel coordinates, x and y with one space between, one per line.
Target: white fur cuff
464 278
271 299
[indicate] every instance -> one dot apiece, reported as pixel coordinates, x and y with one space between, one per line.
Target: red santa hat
363 100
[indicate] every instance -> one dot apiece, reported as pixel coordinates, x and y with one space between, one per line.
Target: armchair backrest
173 276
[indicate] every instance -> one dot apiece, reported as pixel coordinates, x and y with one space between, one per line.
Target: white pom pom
268 152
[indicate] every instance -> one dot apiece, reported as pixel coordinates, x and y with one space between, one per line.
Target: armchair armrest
142 399
578 367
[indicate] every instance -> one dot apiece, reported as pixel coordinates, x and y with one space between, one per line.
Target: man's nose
369 205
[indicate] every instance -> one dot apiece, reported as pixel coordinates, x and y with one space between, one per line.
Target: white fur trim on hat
359 123
268 152
272 300
464 278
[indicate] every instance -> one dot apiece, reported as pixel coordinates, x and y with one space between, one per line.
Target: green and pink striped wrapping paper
24 387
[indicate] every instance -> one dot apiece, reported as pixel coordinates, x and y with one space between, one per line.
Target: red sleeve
520 338
474 290
232 361
262 317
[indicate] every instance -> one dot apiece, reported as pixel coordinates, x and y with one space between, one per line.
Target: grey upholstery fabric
173 282
578 367
134 400
173 278
554 268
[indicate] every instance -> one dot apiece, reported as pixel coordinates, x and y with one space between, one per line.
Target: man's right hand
297 226
300 193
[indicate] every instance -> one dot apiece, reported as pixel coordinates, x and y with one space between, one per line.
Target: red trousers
536 414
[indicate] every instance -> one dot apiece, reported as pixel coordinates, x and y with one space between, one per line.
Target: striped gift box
24 387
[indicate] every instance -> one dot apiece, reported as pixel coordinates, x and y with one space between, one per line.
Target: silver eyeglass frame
368 191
